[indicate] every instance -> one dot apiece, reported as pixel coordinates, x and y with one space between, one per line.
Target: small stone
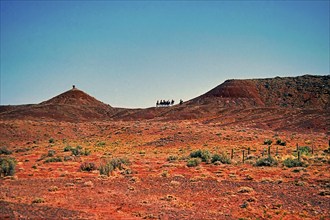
244 205
88 184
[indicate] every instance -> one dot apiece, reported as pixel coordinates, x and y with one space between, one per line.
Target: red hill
308 92
73 105
74 97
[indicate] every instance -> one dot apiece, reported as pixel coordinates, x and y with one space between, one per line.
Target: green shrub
7 167
305 150
67 148
53 159
4 150
223 158
107 167
204 155
268 142
88 166
293 163
267 161
51 153
100 144
51 141
194 162
77 151
280 142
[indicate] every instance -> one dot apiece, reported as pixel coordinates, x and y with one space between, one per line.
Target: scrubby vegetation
306 150
88 166
67 148
51 153
223 158
204 155
100 144
266 161
293 163
77 151
7 167
280 142
51 141
268 142
38 200
107 167
4 150
53 159
193 162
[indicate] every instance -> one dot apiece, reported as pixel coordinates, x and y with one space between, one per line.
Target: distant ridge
280 103
308 91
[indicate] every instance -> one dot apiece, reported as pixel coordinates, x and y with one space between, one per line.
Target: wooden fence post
243 156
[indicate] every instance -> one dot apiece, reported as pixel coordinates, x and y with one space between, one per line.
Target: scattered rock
52 188
245 189
244 205
88 184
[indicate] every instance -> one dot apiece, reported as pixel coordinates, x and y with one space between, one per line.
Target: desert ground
158 178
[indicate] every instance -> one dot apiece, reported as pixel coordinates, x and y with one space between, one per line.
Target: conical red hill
74 97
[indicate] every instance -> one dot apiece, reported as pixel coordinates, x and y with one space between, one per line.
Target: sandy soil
152 187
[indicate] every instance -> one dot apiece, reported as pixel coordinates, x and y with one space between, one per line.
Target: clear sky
131 53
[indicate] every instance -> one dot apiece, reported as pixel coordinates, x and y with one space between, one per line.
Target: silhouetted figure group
163 103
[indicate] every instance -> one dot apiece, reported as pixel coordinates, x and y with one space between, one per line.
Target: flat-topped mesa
75 97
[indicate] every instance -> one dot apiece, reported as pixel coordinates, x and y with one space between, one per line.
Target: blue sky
131 53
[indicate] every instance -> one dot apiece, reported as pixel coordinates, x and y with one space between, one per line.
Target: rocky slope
72 105
308 92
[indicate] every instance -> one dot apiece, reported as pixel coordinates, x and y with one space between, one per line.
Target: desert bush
100 144
194 162
77 151
266 161
223 158
53 159
327 151
204 155
4 150
7 167
107 167
88 166
38 200
51 141
67 148
268 142
305 150
51 153
289 162
280 142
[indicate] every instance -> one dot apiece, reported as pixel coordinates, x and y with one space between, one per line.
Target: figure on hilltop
164 103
